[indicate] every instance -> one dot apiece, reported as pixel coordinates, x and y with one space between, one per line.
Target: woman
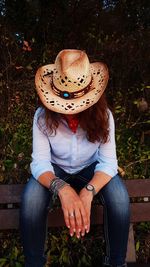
74 158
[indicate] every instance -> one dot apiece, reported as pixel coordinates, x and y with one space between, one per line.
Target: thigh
35 197
80 179
87 173
77 180
114 195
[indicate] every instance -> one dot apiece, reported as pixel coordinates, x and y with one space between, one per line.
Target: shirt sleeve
107 158
41 153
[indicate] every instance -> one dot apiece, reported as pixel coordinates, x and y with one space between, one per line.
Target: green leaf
137 245
2 262
16 252
18 264
8 163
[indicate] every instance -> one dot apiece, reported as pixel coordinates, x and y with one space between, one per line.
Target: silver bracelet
55 185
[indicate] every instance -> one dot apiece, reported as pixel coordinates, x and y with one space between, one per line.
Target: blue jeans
36 200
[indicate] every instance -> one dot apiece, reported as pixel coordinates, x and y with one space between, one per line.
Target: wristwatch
91 188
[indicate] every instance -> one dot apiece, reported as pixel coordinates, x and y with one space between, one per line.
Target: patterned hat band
71 95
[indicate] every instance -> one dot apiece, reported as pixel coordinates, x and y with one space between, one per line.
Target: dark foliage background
116 32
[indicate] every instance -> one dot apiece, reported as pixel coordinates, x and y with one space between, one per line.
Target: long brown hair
93 120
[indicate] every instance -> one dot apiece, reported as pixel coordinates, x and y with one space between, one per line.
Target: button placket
74 148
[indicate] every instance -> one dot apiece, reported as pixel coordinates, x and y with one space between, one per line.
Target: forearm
70 203
46 178
99 180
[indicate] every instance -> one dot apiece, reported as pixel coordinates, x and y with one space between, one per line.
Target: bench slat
9 218
12 193
138 187
140 212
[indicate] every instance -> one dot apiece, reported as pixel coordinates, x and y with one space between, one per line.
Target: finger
78 219
72 223
83 231
85 216
72 231
66 218
86 219
88 211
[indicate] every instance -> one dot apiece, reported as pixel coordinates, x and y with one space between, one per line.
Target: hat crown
72 70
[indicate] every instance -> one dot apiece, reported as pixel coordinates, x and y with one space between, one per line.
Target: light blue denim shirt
71 151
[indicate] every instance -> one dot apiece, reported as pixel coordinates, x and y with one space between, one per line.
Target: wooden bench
139 192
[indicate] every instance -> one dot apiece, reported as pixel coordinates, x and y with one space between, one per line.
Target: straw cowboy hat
72 84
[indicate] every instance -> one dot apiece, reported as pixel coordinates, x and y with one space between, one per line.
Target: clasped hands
76 209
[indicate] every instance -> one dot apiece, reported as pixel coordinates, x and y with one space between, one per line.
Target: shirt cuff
109 170
38 169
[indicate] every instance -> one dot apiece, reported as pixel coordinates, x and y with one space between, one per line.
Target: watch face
90 187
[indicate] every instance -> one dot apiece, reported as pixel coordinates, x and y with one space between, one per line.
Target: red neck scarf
73 123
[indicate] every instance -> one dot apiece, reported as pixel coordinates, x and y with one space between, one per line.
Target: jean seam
65 178
83 179
106 227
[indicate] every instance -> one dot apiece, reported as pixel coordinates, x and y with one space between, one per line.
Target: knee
34 199
121 196
122 203
119 202
116 196
119 207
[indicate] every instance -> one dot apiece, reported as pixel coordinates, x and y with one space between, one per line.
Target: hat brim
43 81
